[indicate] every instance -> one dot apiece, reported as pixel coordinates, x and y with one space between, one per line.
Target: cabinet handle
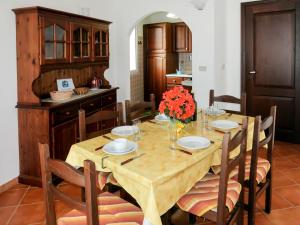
110 98
92 104
174 81
67 113
103 125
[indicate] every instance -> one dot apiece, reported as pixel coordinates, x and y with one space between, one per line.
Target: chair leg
192 219
166 219
251 206
82 194
268 200
240 219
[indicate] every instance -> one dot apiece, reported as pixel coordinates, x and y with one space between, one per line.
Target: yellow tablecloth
160 177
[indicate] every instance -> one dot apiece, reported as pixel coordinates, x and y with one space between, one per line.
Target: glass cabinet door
80 43
101 44
54 40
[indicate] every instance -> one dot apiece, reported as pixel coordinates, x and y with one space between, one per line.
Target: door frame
296 137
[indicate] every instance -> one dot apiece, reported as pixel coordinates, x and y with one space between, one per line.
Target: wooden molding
8 185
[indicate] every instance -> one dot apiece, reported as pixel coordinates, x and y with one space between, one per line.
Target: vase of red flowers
179 105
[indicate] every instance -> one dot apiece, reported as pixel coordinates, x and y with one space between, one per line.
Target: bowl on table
61 95
81 90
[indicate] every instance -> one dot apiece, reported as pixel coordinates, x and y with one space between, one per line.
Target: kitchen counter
179 75
187 83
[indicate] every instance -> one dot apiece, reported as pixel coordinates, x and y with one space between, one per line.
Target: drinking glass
137 124
173 134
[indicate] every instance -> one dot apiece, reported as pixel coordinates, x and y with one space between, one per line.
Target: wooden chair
217 197
229 99
96 119
258 171
84 212
140 110
104 178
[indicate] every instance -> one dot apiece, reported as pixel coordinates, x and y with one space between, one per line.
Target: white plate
211 111
193 142
224 124
162 118
124 131
110 148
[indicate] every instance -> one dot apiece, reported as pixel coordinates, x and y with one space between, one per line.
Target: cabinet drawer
174 80
91 105
63 114
108 99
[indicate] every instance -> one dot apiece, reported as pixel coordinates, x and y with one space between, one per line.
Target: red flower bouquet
178 104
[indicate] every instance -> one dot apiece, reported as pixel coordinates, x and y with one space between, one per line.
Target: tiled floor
23 205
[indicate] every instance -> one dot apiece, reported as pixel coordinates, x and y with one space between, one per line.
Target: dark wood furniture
87 211
140 110
271 62
55 45
182 38
99 123
173 81
229 99
159 58
256 189
222 215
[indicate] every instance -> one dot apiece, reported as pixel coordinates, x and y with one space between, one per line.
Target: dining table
155 175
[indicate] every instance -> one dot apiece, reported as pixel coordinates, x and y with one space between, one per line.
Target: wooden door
180 37
155 76
63 137
158 38
270 74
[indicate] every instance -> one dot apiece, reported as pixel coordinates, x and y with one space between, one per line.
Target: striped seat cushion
104 178
203 197
263 167
112 211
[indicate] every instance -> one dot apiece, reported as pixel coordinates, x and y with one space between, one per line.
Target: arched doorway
160 55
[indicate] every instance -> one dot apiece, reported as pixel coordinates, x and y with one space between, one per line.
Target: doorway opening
160 56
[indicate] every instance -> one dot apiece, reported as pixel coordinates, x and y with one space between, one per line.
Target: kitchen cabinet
101 43
159 59
53 45
54 35
173 81
182 37
63 137
81 42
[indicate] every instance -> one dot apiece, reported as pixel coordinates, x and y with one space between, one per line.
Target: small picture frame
65 84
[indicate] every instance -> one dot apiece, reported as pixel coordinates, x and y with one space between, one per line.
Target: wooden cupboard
182 38
159 58
54 45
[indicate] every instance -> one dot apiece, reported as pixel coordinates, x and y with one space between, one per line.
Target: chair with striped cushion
217 197
260 172
104 209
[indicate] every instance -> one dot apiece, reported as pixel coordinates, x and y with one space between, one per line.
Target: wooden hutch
53 45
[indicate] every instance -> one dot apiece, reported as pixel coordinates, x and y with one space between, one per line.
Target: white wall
216 42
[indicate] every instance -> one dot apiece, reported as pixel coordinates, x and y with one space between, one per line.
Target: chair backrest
140 110
96 119
227 165
229 99
63 170
267 126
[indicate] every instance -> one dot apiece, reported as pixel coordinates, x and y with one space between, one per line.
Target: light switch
202 68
